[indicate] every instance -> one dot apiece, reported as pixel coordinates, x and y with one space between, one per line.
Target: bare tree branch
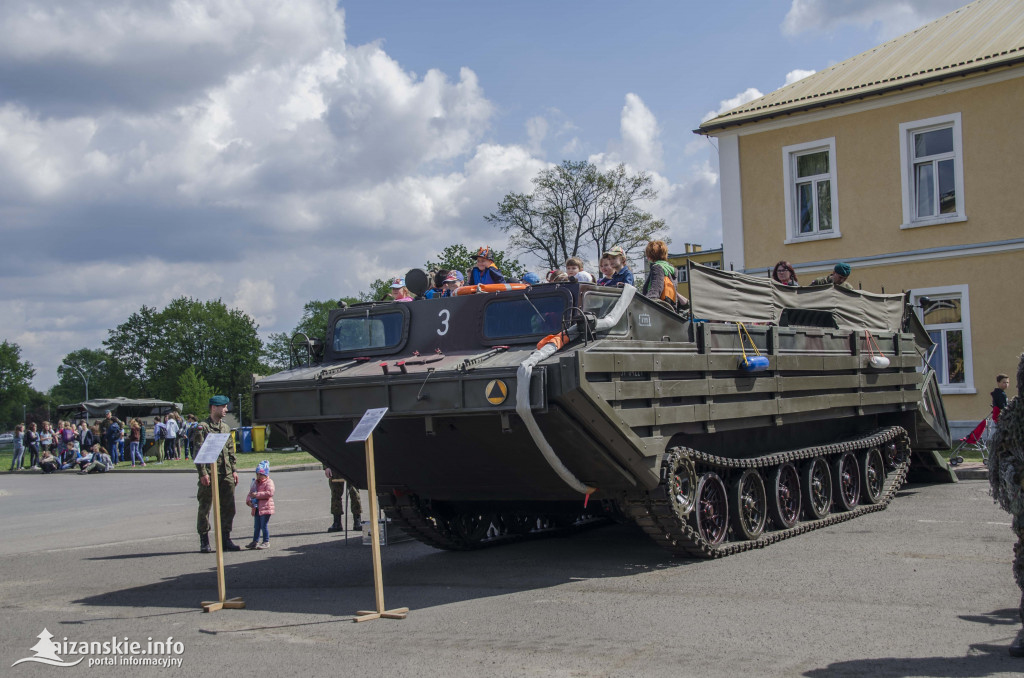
575 204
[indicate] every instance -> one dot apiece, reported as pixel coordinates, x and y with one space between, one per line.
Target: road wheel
817 484
682 484
872 480
748 505
846 480
785 489
471 527
712 509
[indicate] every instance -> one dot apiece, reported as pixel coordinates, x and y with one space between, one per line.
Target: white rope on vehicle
524 408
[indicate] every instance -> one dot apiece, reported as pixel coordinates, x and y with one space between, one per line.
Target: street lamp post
85 377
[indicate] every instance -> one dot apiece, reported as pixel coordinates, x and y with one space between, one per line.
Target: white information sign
211 448
366 425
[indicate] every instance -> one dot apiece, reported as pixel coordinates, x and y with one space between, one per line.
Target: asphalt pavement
923 588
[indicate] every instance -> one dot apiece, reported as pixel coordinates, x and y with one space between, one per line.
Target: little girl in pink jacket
261 499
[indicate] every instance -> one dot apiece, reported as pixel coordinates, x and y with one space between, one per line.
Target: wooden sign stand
234 603
397 612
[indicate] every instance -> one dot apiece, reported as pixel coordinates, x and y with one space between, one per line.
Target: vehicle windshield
524 316
380 330
600 304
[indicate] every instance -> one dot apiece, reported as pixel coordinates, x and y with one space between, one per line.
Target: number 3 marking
444 314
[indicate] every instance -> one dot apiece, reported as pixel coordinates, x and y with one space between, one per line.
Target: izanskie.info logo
113 652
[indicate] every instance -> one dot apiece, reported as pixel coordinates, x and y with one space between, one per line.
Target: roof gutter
896 86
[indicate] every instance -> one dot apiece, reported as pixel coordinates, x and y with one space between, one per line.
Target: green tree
107 377
378 291
221 343
312 323
575 207
458 257
132 344
15 384
194 393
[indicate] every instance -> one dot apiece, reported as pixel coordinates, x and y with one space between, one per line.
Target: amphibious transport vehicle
759 413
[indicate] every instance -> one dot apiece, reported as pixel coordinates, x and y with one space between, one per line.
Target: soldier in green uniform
338 501
840 272
226 476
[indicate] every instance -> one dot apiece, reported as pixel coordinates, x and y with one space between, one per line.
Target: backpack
668 286
114 431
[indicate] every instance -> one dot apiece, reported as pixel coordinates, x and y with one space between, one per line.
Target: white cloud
273 164
641 145
743 97
536 131
689 206
797 74
888 18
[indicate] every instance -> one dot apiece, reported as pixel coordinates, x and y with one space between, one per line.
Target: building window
809 172
931 157
945 312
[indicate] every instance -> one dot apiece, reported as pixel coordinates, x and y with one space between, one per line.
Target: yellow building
905 162
697 255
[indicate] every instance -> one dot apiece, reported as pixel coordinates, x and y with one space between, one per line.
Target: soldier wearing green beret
837 277
227 477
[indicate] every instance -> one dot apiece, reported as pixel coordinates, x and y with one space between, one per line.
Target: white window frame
907 131
965 326
789 155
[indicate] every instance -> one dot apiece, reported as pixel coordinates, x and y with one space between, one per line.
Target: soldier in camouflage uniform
1006 475
226 476
338 501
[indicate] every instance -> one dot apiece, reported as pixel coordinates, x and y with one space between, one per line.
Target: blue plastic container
245 434
757 363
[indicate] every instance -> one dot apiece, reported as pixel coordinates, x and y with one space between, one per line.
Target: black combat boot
204 543
229 545
336 527
1016 648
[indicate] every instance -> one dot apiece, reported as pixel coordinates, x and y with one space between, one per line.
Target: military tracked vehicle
759 413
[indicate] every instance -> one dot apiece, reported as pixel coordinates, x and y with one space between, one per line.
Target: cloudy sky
269 152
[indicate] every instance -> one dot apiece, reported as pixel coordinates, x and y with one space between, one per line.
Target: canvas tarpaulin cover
736 297
122 407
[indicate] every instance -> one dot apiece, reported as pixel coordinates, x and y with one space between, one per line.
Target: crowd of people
614 272
658 282
100 446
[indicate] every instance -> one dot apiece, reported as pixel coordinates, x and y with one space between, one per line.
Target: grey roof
981 36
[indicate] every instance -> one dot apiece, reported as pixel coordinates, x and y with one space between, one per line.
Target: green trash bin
259 438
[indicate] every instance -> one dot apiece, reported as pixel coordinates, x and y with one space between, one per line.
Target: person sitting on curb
101 461
48 463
